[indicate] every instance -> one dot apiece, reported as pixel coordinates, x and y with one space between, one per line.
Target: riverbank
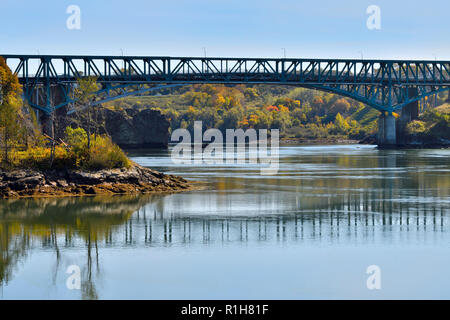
62 183
324 141
369 140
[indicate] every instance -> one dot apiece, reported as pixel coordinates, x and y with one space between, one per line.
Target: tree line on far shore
296 112
299 113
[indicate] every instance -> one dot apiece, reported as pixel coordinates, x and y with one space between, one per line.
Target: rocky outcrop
370 139
137 179
129 128
427 140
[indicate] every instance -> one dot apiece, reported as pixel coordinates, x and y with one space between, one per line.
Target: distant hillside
299 113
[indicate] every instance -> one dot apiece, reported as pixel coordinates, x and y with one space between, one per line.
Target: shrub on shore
433 124
415 127
73 153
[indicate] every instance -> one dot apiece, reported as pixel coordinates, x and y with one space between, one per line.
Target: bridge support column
409 113
390 133
380 134
387 134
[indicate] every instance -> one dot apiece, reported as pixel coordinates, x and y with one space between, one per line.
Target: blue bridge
386 85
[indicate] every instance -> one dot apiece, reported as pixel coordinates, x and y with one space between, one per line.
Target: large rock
135 129
129 128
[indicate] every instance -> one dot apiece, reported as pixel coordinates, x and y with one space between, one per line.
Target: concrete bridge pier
392 131
387 133
380 133
409 113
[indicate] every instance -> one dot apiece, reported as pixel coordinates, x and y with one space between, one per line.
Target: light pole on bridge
362 55
123 61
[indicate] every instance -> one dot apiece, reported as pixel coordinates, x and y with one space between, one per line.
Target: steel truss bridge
386 85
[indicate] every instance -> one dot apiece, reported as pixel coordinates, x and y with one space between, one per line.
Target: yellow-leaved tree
10 108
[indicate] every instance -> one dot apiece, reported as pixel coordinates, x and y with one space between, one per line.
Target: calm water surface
309 232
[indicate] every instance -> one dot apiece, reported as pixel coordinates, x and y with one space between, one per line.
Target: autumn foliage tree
10 108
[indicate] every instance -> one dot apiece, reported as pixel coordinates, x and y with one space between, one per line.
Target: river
311 231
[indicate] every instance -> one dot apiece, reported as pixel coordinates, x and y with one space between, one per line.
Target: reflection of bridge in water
357 219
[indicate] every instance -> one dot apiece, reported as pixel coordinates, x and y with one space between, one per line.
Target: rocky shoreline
61 183
372 140
317 141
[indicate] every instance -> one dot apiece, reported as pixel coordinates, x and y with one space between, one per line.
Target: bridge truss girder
381 84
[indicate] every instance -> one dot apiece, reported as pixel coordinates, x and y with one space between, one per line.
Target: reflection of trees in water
25 222
154 223
88 290
13 248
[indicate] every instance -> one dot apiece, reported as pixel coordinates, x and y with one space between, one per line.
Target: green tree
84 95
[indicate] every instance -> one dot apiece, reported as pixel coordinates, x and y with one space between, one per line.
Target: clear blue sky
247 28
